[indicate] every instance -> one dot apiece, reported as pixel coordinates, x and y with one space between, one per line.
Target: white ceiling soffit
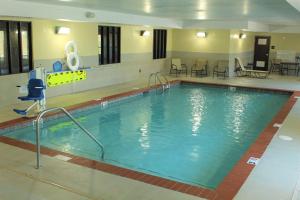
252 15
214 24
258 27
295 4
47 11
284 29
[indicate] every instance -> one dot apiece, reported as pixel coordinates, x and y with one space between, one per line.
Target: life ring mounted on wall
73 61
71 51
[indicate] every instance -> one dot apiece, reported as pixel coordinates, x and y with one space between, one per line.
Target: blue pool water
193 134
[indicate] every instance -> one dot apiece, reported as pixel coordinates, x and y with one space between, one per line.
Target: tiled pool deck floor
274 178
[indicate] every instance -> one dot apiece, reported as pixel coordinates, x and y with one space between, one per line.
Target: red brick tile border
225 191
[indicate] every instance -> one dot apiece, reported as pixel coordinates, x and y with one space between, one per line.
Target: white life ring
71 47
73 61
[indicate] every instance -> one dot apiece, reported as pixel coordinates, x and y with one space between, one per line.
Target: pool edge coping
227 189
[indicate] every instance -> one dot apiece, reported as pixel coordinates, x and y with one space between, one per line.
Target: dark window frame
110 44
160 43
14 46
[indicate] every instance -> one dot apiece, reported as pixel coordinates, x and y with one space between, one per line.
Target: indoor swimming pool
193 134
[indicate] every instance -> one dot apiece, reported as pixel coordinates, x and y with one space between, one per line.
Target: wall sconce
62 30
242 36
201 34
144 33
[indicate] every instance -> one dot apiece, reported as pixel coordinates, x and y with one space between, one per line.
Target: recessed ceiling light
65 0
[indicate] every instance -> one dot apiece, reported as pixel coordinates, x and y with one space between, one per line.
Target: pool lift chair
36 89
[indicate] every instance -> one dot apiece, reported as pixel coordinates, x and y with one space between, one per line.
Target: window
15 47
159 43
109 45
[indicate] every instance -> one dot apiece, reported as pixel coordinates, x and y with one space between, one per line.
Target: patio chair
200 67
298 64
221 69
241 71
177 67
275 65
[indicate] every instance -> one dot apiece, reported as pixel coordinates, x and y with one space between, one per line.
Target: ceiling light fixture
201 34
62 30
144 33
242 36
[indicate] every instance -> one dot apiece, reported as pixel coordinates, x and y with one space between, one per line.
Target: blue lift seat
35 93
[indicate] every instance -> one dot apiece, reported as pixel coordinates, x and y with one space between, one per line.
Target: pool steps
165 84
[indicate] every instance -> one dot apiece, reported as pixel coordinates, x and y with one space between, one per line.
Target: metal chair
200 68
276 65
221 69
177 67
298 64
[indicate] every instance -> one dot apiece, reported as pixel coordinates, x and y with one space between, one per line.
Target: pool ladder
37 124
157 78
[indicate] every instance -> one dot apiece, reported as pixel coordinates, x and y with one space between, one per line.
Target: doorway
261 53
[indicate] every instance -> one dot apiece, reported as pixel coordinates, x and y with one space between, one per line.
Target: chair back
33 91
57 66
276 61
275 64
297 59
223 65
176 63
200 64
239 64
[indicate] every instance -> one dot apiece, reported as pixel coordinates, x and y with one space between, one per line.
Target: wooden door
261 53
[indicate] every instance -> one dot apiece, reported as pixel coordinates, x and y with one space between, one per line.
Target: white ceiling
181 13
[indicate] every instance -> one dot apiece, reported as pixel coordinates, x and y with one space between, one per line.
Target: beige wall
132 42
241 45
136 56
48 45
185 40
136 53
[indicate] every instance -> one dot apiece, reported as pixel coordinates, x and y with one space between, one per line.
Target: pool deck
275 177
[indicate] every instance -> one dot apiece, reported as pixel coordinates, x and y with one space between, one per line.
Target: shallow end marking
276 125
285 138
62 157
253 161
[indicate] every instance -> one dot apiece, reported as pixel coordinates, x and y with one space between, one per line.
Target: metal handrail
149 80
39 117
157 78
164 77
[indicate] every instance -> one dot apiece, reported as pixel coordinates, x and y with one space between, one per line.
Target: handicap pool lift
36 89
